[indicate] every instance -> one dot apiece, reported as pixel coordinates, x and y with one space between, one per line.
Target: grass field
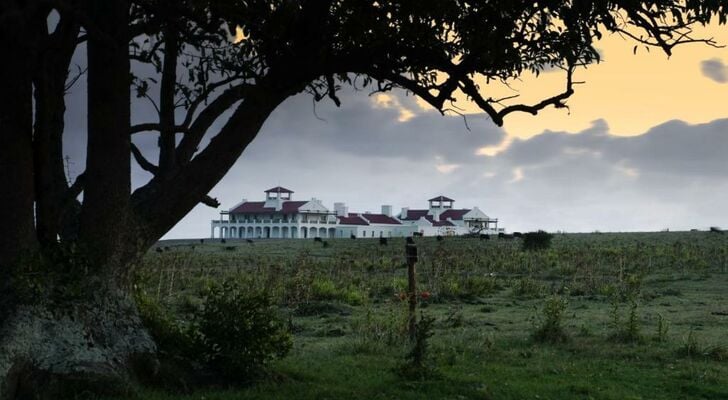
645 315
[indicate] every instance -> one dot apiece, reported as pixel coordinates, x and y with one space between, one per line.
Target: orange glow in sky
631 92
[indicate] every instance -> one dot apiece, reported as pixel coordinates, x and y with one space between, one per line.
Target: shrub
168 333
540 240
231 337
324 289
628 331
418 364
238 334
550 328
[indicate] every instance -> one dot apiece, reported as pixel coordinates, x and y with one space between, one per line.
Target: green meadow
595 316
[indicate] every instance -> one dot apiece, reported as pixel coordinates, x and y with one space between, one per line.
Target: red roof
453 214
438 223
441 198
352 219
380 219
292 206
414 215
257 207
278 189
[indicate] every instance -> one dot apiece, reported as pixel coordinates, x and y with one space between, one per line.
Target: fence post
411 255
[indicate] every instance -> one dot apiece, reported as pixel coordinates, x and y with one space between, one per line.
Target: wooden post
411 255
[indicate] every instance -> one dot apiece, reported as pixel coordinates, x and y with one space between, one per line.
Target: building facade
280 216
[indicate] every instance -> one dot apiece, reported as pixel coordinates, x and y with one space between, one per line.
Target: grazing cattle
382 241
417 234
353 236
439 238
318 239
230 248
715 229
517 234
484 236
159 250
249 241
166 248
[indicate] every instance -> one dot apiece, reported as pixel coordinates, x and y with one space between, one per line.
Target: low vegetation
597 316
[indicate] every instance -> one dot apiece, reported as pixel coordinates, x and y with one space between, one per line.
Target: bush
540 240
549 328
418 364
238 334
324 289
231 337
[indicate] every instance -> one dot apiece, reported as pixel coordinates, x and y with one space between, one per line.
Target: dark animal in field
715 229
166 248
318 239
230 248
484 236
517 234
417 234
382 241
223 241
249 241
505 236
159 250
353 236
325 243
440 238
202 241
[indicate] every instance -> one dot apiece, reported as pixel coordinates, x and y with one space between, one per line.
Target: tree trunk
51 73
17 231
105 230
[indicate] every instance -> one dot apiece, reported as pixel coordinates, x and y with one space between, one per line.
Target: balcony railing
275 221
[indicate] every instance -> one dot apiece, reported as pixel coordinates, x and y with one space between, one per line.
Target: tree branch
167 142
143 162
197 130
152 127
210 202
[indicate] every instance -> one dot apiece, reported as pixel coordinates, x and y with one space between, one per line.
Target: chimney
387 210
341 210
403 215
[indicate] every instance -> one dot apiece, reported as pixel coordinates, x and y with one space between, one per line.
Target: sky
642 147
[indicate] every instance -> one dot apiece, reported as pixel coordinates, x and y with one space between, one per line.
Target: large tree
66 249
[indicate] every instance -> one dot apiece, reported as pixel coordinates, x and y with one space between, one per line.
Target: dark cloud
361 128
715 69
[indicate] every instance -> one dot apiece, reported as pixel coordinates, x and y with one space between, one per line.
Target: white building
441 218
279 216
